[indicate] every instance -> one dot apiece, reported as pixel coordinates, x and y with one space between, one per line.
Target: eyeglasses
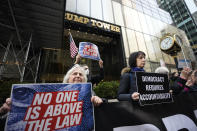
85 68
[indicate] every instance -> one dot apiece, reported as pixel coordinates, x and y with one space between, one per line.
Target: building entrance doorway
56 62
110 50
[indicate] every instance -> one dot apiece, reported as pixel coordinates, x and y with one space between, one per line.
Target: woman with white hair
77 75
162 70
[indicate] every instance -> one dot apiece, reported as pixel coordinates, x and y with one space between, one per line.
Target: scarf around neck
137 69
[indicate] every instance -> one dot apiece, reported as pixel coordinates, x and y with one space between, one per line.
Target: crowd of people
127 91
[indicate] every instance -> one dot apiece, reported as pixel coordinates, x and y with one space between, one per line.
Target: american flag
73 48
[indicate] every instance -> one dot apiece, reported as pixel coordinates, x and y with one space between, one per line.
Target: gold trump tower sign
91 22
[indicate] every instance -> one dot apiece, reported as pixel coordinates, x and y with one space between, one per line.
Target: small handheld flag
73 47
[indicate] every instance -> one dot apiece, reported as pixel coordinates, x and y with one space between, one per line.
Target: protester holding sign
77 75
6 107
179 84
93 79
127 90
191 84
90 51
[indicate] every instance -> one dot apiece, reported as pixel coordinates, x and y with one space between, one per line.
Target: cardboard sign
153 88
50 107
89 50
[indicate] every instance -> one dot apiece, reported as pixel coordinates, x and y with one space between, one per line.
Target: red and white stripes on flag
73 47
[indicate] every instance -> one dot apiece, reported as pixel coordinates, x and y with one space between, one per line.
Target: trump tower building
35 42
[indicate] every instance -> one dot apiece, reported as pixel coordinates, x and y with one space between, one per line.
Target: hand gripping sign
50 107
89 50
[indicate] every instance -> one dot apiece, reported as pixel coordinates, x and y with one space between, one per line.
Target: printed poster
89 50
153 88
59 107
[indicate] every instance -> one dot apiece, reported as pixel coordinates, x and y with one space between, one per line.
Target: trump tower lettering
89 50
153 88
51 107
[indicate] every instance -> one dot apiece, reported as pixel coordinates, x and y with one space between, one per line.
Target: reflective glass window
107 11
191 5
170 21
127 3
144 2
153 2
164 19
135 20
128 17
125 41
96 9
150 49
141 42
159 27
133 46
118 13
147 11
171 59
147 66
71 5
150 26
83 7
166 58
156 46
139 7
143 23
156 14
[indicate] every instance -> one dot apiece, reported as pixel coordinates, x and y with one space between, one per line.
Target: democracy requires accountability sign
153 88
89 50
51 107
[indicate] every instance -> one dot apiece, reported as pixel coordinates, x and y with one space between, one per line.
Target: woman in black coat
127 90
